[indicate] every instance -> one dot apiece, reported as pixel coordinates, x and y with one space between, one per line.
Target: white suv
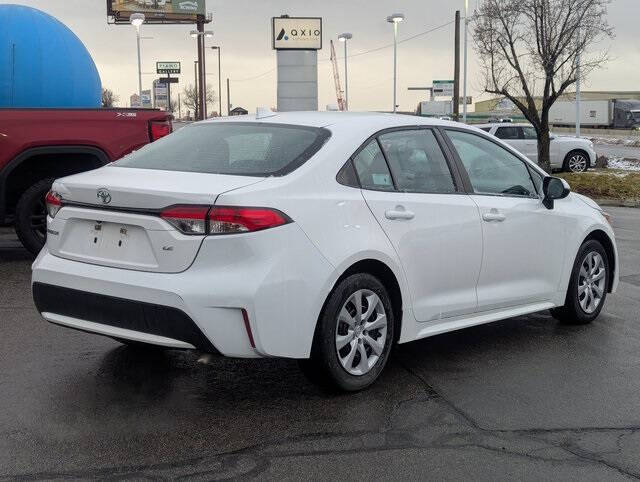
567 153
321 236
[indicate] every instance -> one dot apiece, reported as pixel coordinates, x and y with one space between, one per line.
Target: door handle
398 213
493 216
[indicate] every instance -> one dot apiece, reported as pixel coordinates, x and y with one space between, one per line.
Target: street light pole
344 38
197 91
464 88
137 19
217 47
578 93
200 35
395 19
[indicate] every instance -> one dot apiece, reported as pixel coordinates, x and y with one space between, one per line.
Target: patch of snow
624 164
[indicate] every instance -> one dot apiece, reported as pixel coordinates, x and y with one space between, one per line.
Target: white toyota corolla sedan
322 236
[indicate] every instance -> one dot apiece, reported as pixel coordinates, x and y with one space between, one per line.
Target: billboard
157 11
296 33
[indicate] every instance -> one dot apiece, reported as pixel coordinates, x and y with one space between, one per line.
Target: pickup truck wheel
31 216
576 161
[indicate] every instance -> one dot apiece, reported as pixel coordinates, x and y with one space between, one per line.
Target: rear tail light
160 129
229 219
187 219
53 202
222 219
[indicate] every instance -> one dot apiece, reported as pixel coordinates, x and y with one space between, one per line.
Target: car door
523 240
530 137
432 224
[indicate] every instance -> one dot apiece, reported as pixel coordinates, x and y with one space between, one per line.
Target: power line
358 54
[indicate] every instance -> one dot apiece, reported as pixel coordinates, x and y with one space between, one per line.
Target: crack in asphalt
567 446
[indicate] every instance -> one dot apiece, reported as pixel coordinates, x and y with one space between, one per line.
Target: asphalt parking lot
525 399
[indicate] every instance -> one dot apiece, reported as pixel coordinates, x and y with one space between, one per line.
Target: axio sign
296 33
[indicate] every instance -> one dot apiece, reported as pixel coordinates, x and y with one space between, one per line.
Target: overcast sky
242 28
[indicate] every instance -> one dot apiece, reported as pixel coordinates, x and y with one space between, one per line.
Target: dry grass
605 183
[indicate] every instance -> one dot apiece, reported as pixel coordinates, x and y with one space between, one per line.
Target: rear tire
588 286
31 216
352 344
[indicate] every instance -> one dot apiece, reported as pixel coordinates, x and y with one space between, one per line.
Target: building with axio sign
297 41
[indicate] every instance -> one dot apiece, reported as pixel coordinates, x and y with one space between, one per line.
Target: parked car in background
567 153
40 145
321 236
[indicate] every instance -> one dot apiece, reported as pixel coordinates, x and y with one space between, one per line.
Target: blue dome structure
43 63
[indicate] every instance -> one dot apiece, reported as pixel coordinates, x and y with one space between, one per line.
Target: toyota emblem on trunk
104 195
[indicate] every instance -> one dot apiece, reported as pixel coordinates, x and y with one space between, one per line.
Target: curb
621 203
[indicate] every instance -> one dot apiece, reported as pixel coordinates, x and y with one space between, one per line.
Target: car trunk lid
112 216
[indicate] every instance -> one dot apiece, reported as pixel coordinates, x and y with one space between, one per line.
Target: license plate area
107 242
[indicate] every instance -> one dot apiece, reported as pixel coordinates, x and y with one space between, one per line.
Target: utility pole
179 107
228 98
578 99
456 70
201 73
464 89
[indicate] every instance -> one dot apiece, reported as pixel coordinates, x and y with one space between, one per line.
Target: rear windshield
238 148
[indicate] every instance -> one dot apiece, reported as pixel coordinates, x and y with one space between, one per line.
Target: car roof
337 118
503 124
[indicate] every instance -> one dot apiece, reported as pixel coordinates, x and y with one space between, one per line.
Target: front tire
576 161
588 286
354 335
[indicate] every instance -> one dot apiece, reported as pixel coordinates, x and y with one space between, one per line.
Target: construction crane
336 78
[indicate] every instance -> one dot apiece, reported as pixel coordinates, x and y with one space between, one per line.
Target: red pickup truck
40 145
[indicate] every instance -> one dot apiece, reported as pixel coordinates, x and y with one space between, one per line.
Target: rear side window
508 133
486 129
372 168
417 162
237 148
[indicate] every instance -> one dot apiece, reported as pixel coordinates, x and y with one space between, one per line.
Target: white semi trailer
615 114
435 108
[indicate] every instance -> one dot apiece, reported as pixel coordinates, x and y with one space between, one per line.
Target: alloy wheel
591 282
361 332
577 163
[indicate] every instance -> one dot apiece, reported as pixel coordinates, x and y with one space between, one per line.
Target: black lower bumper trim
121 313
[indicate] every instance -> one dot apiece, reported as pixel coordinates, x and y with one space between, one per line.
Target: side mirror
554 188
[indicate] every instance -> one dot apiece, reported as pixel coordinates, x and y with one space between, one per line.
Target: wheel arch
387 277
37 163
603 238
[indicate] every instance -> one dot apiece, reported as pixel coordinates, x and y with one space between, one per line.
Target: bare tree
530 49
190 97
109 99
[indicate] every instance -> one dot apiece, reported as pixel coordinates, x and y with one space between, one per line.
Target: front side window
372 168
417 162
491 168
508 133
237 148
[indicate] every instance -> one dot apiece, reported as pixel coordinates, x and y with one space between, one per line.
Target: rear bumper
120 318
277 276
